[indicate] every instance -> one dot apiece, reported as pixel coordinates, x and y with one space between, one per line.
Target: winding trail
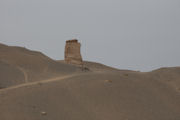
37 82
25 74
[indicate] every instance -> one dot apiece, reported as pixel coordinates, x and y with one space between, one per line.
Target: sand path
25 74
39 82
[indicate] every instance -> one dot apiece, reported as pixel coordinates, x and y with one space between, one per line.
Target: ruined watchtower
72 52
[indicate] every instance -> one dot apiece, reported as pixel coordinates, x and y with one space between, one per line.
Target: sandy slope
68 93
19 65
92 96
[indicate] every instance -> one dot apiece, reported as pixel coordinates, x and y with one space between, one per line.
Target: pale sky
127 34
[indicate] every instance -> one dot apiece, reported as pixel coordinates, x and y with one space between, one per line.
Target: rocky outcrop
73 52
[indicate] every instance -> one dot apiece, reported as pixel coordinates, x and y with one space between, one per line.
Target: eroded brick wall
73 52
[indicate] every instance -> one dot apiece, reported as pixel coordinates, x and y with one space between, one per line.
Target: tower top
72 41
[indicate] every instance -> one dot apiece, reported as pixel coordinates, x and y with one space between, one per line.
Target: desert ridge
36 87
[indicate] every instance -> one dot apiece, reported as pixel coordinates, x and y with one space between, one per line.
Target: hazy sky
126 34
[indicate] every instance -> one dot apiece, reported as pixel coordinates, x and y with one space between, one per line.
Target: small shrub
108 81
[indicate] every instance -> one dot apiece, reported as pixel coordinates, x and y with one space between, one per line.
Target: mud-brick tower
73 52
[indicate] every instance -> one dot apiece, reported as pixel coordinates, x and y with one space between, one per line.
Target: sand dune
39 88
